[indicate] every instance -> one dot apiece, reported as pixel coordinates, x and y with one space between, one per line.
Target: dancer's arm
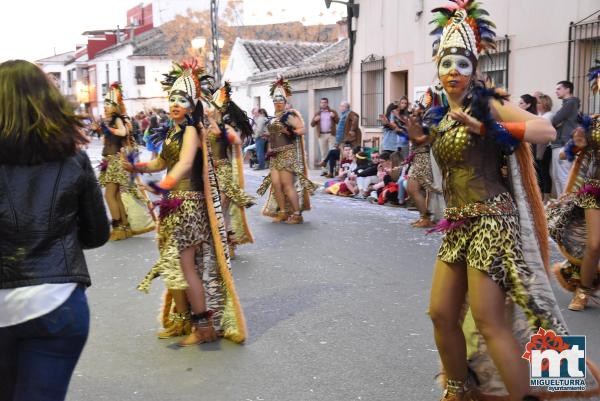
537 129
152 166
232 135
191 143
297 124
120 130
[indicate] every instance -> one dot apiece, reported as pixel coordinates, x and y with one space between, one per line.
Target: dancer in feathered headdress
117 134
228 127
495 237
574 220
288 180
194 258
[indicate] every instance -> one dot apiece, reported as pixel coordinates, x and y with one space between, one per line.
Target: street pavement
336 311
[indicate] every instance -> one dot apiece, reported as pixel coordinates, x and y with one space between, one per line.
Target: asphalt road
335 311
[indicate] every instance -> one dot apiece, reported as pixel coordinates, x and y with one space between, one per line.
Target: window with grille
584 50
494 66
372 90
140 74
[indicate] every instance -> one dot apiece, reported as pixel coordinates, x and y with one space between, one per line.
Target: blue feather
585 121
569 150
157 189
480 109
159 135
224 137
593 74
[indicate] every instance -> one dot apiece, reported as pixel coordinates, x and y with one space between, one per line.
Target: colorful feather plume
222 96
477 19
283 84
202 81
594 77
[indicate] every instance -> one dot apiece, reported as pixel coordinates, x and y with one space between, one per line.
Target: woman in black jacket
51 208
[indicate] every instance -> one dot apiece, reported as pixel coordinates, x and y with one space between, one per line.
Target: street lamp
198 42
221 43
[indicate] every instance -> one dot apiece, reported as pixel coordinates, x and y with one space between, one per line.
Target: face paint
461 64
181 101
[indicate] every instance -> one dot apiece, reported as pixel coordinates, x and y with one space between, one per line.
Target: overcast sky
34 29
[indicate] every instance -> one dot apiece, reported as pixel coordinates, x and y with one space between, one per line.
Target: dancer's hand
473 124
413 126
579 138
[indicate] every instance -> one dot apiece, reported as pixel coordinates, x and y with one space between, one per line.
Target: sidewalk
314 175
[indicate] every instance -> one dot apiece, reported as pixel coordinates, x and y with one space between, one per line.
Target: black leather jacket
48 214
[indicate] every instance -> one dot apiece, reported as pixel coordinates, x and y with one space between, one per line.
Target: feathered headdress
281 89
114 96
594 77
189 80
462 28
222 96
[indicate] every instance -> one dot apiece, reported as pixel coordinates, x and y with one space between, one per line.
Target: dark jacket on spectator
369 171
48 214
565 121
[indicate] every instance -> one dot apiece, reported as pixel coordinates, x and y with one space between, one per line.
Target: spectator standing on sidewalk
48 188
393 128
325 123
543 153
348 130
260 135
565 121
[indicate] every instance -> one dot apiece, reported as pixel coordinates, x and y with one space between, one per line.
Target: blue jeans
260 151
37 358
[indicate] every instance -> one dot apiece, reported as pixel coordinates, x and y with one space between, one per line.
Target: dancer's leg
110 194
287 180
195 290
447 299
488 305
589 267
278 189
122 212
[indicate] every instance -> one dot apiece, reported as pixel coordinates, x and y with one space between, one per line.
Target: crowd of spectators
382 176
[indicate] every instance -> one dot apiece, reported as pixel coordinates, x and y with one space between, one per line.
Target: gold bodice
278 136
170 152
595 134
218 147
471 164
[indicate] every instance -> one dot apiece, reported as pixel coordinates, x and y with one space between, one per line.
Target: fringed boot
295 218
281 216
457 390
118 232
202 330
179 325
580 298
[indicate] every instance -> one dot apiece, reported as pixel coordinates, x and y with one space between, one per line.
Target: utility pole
216 61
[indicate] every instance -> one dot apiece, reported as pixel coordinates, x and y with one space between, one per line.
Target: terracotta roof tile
269 55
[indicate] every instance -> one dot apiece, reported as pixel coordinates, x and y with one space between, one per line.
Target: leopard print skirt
112 172
184 227
287 160
492 244
420 170
589 195
230 187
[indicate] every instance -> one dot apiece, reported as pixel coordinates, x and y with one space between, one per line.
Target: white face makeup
180 101
451 62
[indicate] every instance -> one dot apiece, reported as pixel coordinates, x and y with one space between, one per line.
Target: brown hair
37 124
545 101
